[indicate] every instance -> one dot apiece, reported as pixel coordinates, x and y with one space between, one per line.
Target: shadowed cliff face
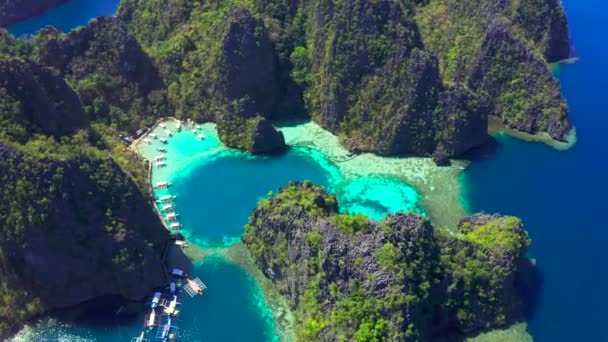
72 231
399 279
517 84
249 65
14 11
36 101
115 79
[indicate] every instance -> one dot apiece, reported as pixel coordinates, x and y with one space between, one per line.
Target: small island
400 279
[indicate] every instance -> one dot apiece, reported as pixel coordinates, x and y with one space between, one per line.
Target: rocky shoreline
399 279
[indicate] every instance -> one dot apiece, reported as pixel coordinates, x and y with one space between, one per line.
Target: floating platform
195 287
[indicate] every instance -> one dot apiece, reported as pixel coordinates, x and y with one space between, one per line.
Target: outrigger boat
155 299
195 287
140 338
166 199
151 319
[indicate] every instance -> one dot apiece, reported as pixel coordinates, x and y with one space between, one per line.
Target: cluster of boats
165 140
165 308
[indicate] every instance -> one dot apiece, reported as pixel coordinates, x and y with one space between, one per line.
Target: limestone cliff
401 279
114 78
36 101
409 77
72 231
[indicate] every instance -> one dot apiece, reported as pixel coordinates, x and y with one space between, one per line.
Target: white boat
162 185
163 125
172 217
168 208
163 140
166 198
168 133
160 158
201 136
152 135
194 131
162 149
155 299
181 243
151 320
140 338
161 164
175 226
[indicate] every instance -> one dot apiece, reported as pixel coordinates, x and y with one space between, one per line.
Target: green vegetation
389 77
238 132
399 279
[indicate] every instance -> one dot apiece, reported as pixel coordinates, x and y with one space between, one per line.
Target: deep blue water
73 14
562 196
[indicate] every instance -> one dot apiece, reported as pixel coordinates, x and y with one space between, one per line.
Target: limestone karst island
303 170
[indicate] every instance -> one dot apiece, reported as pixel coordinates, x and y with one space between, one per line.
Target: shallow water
216 188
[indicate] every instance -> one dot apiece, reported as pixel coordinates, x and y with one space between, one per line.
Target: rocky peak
249 64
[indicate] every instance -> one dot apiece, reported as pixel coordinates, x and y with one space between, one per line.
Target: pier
165 307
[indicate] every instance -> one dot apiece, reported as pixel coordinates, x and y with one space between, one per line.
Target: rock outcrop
14 11
255 134
36 101
348 277
517 84
266 139
248 64
72 231
115 79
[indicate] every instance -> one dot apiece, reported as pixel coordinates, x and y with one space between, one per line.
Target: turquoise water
73 14
231 310
215 189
